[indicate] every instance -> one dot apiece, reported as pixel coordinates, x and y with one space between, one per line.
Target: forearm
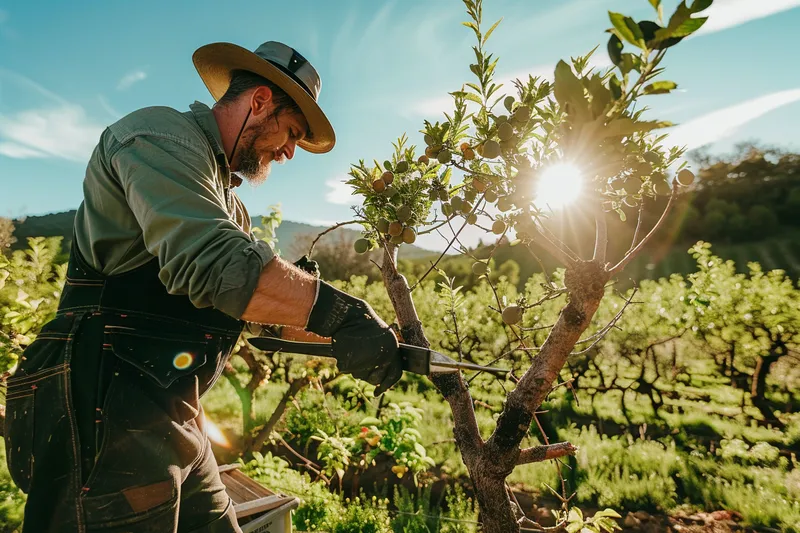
284 295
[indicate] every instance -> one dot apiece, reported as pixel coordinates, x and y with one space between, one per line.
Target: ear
261 100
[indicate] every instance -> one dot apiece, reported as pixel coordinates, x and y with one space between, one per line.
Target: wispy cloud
106 105
724 14
130 78
51 128
63 132
723 123
340 193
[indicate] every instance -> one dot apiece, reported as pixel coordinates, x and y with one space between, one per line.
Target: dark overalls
103 420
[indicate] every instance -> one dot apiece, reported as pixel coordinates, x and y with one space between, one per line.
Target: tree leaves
627 29
660 87
615 50
569 89
681 24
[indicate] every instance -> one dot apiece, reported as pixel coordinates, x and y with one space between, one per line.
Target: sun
559 185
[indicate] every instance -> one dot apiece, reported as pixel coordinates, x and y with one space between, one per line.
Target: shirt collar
208 123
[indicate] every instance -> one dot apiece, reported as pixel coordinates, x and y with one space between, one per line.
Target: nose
289 149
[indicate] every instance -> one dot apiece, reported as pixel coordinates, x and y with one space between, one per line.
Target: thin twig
601 238
334 227
638 248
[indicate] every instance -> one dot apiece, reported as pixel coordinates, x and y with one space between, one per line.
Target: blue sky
68 69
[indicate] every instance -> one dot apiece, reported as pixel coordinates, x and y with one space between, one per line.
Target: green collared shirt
158 185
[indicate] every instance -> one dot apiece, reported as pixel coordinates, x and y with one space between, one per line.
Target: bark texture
490 462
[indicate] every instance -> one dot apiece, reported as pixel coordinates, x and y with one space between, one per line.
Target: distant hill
60 224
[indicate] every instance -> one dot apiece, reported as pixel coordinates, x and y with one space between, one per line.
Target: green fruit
383 225
424 159
522 114
661 187
505 131
430 152
498 227
466 206
397 239
491 149
618 184
685 177
402 166
490 196
447 209
504 204
472 218
470 195
409 235
652 157
480 268
644 168
387 177
404 213
443 196
508 102
508 145
501 119
456 202
428 140
512 315
390 191
361 246
445 156
395 229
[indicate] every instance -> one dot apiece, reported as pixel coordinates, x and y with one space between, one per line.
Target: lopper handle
273 344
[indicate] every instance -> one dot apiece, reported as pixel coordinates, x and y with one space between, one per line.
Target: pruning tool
422 361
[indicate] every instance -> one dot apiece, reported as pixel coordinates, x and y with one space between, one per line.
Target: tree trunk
489 463
759 387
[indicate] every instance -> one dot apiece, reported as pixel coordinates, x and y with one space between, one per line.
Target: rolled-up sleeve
172 191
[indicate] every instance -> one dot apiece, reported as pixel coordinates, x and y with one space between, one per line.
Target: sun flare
559 185
215 434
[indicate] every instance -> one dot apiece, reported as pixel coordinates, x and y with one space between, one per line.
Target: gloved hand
363 344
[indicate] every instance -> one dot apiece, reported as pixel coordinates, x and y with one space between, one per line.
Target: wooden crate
258 509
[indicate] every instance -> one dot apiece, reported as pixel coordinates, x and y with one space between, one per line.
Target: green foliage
12 500
30 287
360 518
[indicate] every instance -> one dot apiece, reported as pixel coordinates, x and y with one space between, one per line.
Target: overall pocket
169 363
20 428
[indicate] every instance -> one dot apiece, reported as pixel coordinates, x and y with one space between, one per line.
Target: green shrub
623 473
362 517
12 500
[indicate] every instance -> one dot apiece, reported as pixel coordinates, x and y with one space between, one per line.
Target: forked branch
616 269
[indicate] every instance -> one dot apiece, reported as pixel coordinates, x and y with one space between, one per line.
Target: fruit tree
500 163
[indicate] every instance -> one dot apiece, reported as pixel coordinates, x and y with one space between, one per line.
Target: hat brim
215 62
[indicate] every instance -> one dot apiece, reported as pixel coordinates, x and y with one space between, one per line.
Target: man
104 428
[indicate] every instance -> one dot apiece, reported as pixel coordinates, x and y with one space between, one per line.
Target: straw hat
278 63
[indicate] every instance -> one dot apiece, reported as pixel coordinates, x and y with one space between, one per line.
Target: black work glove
309 265
363 344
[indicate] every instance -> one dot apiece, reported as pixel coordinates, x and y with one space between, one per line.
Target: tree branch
638 248
601 238
264 433
546 452
332 228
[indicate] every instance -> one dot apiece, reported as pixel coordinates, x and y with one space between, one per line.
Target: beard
251 165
